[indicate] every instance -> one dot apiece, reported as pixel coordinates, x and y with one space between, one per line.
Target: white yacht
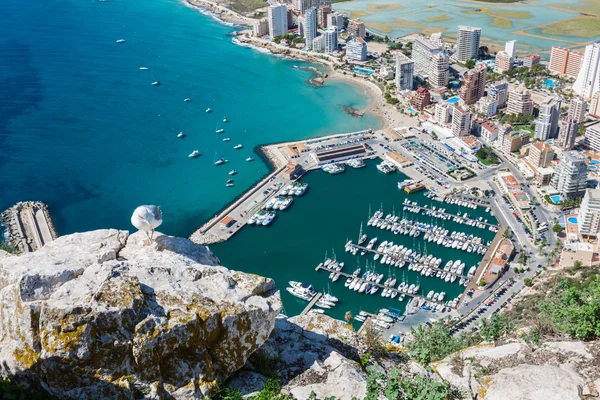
238 146
229 185
225 120
156 83
221 130
180 135
194 154
187 99
249 159
232 172
226 139
143 68
121 41
208 110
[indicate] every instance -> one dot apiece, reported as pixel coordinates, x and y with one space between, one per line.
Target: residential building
474 86
570 178
588 80
318 44
577 108
595 105
546 125
290 19
510 48
543 176
405 68
261 27
439 71
592 137
461 121
422 52
503 62
442 112
331 39
489 132
503 131
519 102
357 28
588 220
322 12
277 18
514 140
565 62
335 19
356 49
499 92
487 106
530 59
310 26
421 99
467 44
303 5
567 132
540 154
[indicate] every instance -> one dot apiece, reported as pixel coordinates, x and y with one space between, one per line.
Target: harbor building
570 178
422 52
461 121
357 28
489 132
591 139
577 108
277 18
331 39
567 132
260 28
467 45
474 86
442 113
588 220
565 62
503 62
356 49
487 106
338 154
405 68
514 140
588 80
322 12
546 125
310 26
540 154
420 99
530 59
335 19
519 102
499 92
439 71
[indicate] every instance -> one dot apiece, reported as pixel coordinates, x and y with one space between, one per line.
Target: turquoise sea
83 129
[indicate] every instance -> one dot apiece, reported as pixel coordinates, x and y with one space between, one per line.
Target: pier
29 226
421 208
311 304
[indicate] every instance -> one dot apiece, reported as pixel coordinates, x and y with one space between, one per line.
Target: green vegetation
8 248
528 282
399 387
507 234
494 329
557 228
487 156
581 26
433 343
244 6
470 63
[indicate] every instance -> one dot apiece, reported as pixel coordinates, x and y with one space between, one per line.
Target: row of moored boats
307 292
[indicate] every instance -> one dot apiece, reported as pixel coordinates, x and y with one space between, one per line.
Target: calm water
323 220
83 129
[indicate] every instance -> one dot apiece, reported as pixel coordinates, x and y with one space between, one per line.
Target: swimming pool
550 142
556 198
592 167
364 71
453 100
412 110
572 220
549 83
595 162
455 84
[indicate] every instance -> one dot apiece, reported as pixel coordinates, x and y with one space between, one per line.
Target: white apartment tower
335 19
546 125
499 92
461 121
588 80
439 72
577 108
591 139
588 220
467 43
331 39
570 178
405 69
510 48
278 20
422 52
519 102
261 27
310 26
356 49
442 112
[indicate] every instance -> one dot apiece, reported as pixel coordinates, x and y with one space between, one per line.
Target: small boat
220 130
229 185
143 68
156 83
208 110
238 146
226 139
194 154
180 135
187 99
232 172
225 120
229 180
121 41
249 159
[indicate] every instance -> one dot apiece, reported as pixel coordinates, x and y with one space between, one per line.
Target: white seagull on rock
147 218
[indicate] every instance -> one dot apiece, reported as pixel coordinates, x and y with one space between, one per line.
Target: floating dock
312 303
421 208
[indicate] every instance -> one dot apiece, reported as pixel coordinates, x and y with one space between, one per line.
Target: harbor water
321 222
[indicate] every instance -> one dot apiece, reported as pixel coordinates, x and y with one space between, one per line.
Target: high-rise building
318 44
331 39
439 71
499 92
467 43
356 49
588 80
513 140
487 106
301 25
335 19
595 105
474 86
461 121
421 99
588 220
322 12
303 5
570 178
546 125
519 102
405 68
592 137
261 27
577 108
442 112
541 154
565 62
422 52
567 132
310 26
357 28
503 62
277 17
510 48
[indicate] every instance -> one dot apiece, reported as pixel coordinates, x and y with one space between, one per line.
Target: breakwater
29 226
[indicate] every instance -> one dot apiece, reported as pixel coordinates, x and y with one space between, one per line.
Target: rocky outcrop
555 370
105 315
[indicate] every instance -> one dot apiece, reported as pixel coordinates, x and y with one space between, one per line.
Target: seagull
147 218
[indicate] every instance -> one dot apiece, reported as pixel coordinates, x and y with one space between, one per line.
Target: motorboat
121 41
221 130
238 146
180 135
208 110
156 83
194 154
249 159
225 120
232 172
187 99
220 161
229 180
143 68
226 139
229 185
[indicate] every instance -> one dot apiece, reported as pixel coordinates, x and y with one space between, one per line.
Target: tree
497 327
542 245
557 228
528 282
577 265
470 63
507 234
433 343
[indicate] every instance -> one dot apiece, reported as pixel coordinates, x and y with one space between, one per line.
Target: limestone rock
102 315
